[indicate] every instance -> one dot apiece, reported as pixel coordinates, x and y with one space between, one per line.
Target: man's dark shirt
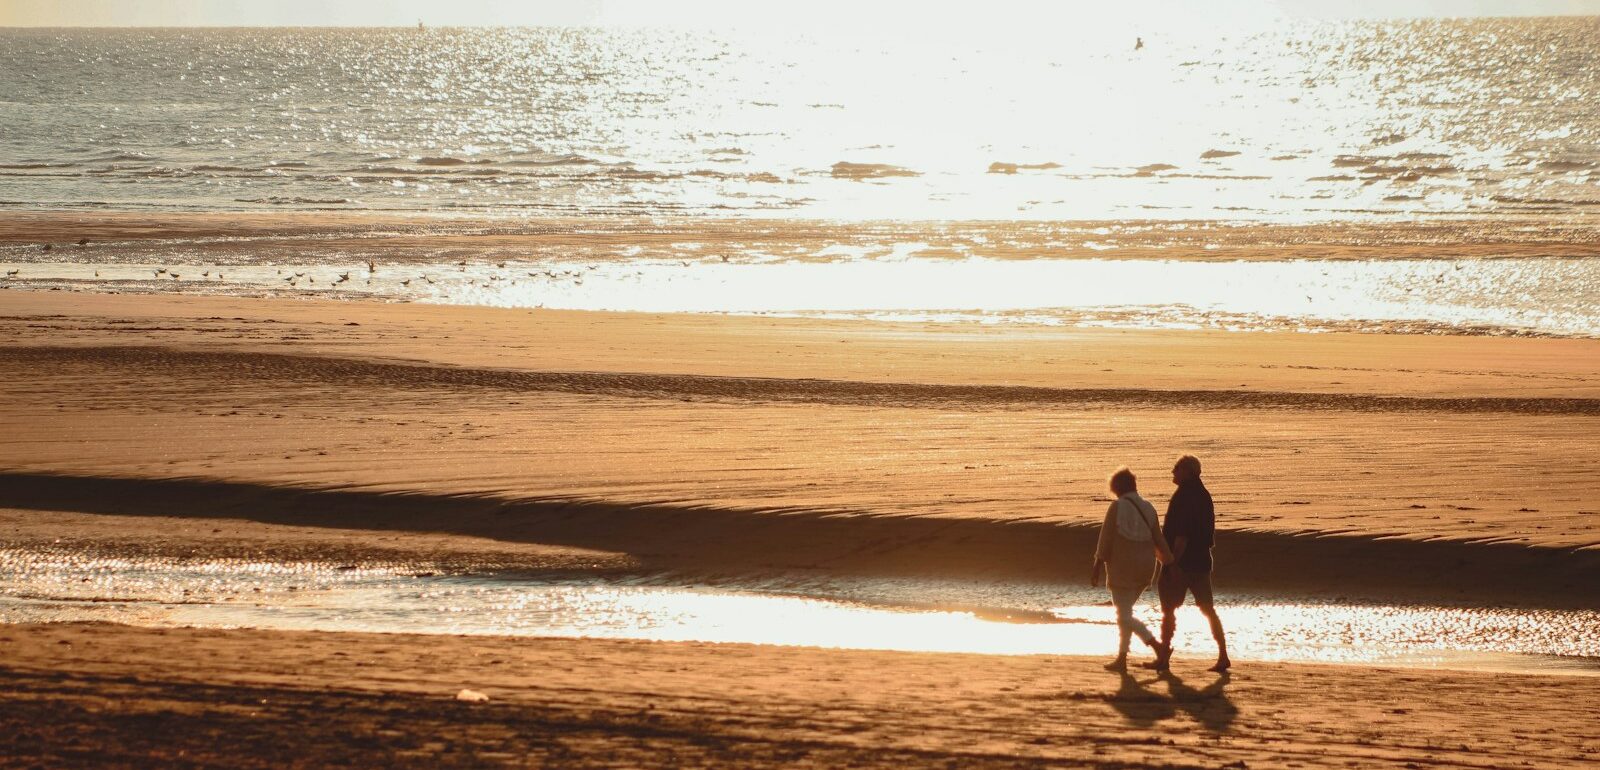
1191 515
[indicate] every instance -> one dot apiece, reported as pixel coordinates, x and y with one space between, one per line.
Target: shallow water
51 585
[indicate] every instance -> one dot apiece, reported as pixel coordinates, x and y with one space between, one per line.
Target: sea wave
448 160
999 167
114 157
1566 165
567 159
1512 199
848 170
278 200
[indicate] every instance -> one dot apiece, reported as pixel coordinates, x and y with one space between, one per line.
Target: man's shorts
1175 585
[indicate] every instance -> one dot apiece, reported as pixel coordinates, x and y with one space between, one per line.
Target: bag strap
1154 538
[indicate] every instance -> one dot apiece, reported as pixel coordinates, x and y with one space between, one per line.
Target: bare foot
1222 666
1163 661
1119 665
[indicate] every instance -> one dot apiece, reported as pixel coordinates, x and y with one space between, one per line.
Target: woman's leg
1127 625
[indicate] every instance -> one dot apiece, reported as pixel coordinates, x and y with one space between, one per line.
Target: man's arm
1180 517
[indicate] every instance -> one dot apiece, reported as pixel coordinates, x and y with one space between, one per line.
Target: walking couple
1132 547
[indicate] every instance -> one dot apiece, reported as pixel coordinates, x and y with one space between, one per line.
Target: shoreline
237 237
1476 278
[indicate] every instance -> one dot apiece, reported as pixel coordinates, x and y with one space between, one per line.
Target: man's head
1123 481
1187 468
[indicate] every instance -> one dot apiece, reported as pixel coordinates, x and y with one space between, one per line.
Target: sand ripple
362 373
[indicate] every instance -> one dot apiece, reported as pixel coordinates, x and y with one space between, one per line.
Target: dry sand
79 694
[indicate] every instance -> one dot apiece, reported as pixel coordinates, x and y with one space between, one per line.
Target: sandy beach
1438 448
1382 466
274 699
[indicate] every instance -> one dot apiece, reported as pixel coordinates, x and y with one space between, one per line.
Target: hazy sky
722 12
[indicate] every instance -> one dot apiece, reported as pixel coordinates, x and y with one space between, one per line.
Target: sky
725 13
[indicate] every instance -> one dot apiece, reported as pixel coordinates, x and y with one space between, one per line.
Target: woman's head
1123 481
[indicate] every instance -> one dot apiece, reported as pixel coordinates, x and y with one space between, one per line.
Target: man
1190 528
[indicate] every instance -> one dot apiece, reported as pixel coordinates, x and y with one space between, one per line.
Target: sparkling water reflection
1543 296
928 615
1057 120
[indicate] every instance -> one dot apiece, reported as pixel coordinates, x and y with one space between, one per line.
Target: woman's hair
1190 462
1123 481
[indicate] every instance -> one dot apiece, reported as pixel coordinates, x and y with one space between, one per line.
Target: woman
1130 541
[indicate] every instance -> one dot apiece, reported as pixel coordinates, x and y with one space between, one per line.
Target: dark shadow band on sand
360 373
709 541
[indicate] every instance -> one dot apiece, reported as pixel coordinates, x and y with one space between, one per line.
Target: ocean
1437 176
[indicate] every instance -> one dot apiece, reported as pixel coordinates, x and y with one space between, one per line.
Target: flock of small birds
576 275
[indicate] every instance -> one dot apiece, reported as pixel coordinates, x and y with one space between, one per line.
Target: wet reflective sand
921 615
1537 296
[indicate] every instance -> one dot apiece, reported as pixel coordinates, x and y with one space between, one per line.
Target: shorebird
175 276
372 267
13 273
48 247
343 277
406 282
160 270
83 241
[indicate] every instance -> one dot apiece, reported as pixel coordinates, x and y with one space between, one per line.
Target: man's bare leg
1201 586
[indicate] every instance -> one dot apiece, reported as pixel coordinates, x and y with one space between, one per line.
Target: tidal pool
55 585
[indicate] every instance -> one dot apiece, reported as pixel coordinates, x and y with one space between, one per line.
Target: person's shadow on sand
1144 707
1140 705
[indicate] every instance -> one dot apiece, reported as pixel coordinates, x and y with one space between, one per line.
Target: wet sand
110 694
